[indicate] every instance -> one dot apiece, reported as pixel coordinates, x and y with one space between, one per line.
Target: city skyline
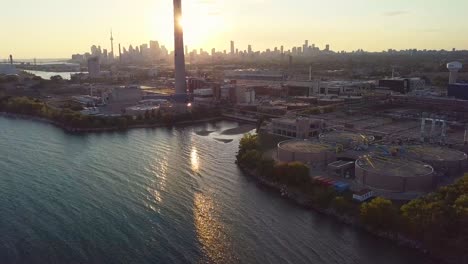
213 24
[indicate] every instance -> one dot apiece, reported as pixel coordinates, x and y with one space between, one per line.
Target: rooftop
392 166
304 146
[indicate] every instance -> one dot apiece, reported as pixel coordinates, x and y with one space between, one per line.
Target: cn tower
179 59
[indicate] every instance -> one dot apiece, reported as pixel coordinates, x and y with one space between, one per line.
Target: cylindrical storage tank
444 160
308 152
394 174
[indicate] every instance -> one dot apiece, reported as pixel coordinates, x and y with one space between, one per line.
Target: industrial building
402 85
8 69
141 110
394 174
363 195
94 67
254 74
203 96
301 127
458 90
130 94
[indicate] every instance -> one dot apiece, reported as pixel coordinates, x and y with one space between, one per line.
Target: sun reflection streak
158 185
211 232
195 160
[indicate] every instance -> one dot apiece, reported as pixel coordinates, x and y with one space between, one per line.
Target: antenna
112 43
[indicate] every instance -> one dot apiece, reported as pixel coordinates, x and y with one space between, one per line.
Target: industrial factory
399 171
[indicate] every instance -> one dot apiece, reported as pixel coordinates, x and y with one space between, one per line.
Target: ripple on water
155 196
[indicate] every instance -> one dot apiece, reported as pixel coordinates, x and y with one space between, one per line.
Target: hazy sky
58 28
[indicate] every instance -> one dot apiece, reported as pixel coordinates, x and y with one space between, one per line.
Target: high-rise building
155 50
327 47
94 50
232 47
94 67
249 49
179 58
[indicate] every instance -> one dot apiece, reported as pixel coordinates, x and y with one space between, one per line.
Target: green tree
379 214
248 142
250 158
265 167
341 205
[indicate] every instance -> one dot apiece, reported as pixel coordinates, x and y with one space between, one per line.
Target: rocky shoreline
302 200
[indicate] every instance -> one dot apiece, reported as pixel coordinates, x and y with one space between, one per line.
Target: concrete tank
394 174
445 160
308 152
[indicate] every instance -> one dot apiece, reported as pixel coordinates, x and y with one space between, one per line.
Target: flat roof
363 192
394 166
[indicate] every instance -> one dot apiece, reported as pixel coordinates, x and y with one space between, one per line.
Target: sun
202 24
199 29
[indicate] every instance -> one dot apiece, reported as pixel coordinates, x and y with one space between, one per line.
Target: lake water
164 195
46 75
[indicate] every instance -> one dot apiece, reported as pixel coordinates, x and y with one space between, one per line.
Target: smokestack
120 53
11 59
179 58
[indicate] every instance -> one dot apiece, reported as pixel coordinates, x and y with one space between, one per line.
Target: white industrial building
8 69
125 95
245 95
301 127
203 96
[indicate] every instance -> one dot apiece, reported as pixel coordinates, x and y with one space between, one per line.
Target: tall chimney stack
11 59
179 58
120 54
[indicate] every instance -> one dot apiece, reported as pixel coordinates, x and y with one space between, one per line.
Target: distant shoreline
69 129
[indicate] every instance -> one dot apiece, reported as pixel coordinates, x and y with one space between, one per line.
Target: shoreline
300 199
105 129
291 194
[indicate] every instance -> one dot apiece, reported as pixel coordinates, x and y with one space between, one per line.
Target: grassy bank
73 121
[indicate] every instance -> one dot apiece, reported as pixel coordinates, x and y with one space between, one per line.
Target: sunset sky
58 28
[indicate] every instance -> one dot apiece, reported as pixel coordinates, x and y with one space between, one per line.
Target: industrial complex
363 123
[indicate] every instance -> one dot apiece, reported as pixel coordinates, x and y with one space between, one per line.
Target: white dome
455 65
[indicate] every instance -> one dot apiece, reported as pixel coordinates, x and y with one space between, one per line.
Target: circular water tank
455 65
